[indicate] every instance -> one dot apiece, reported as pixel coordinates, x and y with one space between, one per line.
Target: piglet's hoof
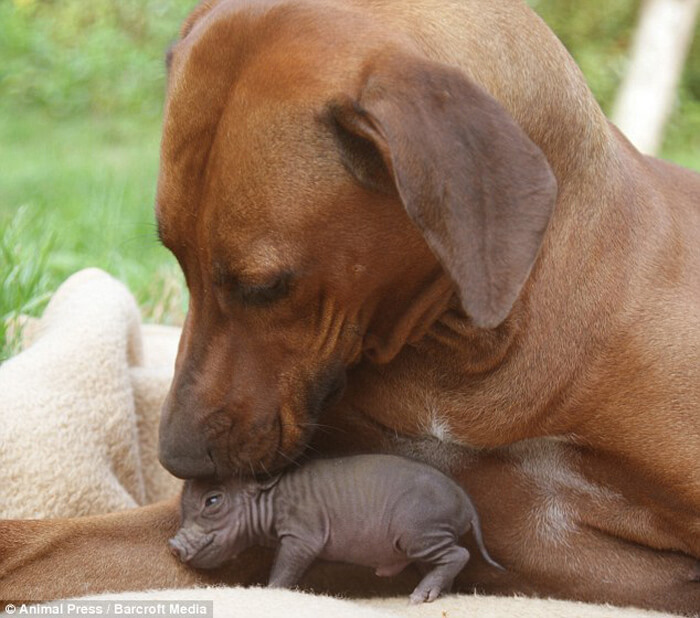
424 595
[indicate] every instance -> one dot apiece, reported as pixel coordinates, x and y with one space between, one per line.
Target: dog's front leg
60 558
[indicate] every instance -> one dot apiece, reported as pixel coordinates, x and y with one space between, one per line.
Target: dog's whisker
311 448
289 459
319 426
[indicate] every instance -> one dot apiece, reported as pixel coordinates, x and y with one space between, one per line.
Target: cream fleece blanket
79 413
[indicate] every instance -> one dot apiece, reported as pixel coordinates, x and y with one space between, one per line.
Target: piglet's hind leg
446 564
294 557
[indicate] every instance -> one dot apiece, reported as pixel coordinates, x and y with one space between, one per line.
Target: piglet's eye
213 500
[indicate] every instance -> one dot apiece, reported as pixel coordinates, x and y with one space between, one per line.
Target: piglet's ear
477 187
258 486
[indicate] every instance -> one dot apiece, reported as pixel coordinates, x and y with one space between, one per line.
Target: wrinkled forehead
192 491
270 170
244 129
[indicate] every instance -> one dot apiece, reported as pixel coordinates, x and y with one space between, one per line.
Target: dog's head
326 190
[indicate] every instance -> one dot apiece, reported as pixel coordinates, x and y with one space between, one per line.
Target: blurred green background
81 90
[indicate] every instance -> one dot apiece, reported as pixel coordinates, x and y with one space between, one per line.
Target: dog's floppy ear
479 189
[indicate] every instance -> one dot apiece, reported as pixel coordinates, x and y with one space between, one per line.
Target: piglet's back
366 496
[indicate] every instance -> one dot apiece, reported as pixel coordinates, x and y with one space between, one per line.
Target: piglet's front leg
294 557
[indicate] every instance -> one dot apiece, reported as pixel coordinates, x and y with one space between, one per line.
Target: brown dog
420 201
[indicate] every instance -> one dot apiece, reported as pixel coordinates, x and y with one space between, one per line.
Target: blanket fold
79 406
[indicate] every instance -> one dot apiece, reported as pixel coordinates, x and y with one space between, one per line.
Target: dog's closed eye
263 294
253 294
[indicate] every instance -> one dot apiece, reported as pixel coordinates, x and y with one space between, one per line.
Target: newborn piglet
379 511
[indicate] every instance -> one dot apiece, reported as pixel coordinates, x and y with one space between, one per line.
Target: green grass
24 281
92 182
81 89
78 193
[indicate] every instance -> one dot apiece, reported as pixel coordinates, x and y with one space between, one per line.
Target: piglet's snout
177 549
186 547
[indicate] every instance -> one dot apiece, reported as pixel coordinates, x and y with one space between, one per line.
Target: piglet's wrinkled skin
378 511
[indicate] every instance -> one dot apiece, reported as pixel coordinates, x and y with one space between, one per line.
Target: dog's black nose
186 461
182 449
